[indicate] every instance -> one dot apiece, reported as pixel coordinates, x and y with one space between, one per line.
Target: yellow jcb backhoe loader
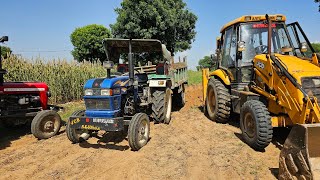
268 72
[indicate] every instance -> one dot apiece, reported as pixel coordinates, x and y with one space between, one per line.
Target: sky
38 28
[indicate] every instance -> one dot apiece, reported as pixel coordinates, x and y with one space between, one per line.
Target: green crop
65 79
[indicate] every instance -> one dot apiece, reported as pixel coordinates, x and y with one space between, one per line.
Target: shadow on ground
9 134
274 172
109 140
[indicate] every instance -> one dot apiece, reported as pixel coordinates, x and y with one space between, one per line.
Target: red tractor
23 103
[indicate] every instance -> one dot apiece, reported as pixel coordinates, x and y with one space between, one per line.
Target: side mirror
241 46
303 47
4 38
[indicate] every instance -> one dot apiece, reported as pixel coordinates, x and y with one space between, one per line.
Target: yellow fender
217 74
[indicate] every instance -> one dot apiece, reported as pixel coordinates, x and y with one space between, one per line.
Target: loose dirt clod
191 147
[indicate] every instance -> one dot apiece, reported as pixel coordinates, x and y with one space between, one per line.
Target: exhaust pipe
300 155
85 136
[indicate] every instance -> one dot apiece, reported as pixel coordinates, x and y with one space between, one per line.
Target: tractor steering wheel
261 49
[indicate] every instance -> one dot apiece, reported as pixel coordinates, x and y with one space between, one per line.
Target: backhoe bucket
300 155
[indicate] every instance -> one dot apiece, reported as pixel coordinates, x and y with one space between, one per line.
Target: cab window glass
229 48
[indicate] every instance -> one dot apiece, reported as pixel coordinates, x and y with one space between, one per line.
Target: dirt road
191 147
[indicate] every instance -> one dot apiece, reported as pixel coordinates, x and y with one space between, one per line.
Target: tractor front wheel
74 134
139 131
255 124
46 124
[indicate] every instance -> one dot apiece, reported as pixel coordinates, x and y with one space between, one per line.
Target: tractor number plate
102 120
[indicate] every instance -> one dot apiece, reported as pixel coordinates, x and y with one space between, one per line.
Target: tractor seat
142 77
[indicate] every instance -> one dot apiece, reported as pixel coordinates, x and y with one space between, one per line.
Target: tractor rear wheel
74 134
46 124
139 131
255 124
162 105
218 101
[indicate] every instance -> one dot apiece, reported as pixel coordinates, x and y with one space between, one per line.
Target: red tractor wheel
46 124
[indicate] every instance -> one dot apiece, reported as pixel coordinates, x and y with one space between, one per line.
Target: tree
5 51
167 20
207 62
316 47
317 1
87 42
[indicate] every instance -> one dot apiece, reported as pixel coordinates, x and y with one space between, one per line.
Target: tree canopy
4 51
206 62
317 1
316 47
87 42
167 20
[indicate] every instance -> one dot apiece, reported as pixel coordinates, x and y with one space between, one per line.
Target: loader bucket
300 155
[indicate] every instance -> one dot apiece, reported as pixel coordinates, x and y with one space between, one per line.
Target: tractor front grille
312 86
97 104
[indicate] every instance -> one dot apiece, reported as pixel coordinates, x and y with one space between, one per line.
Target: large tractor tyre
162 106
139 131
218 102
255 124
74 134
46 124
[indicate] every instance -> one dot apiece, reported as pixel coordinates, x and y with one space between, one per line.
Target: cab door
229 52
298 38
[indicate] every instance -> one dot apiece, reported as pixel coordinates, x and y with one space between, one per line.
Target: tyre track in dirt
191 147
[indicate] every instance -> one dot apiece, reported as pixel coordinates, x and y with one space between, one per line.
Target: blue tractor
124 102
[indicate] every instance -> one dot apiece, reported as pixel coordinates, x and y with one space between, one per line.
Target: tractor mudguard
300 155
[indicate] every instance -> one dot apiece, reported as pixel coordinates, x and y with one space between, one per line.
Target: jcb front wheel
218 101
255 124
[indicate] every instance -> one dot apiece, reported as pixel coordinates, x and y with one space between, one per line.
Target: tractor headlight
88 92
106 92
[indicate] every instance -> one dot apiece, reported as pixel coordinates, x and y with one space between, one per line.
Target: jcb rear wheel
255 124
74 134
218 101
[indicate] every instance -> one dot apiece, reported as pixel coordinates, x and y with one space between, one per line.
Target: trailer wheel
74 134
255 124
46 124
162 106
179 98
218 101
139 131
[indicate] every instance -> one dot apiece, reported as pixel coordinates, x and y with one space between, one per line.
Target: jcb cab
268 72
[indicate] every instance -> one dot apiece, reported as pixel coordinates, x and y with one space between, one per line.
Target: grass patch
194 77
69 108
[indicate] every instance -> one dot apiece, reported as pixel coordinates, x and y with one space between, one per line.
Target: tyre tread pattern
158 109
264 126
224 101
